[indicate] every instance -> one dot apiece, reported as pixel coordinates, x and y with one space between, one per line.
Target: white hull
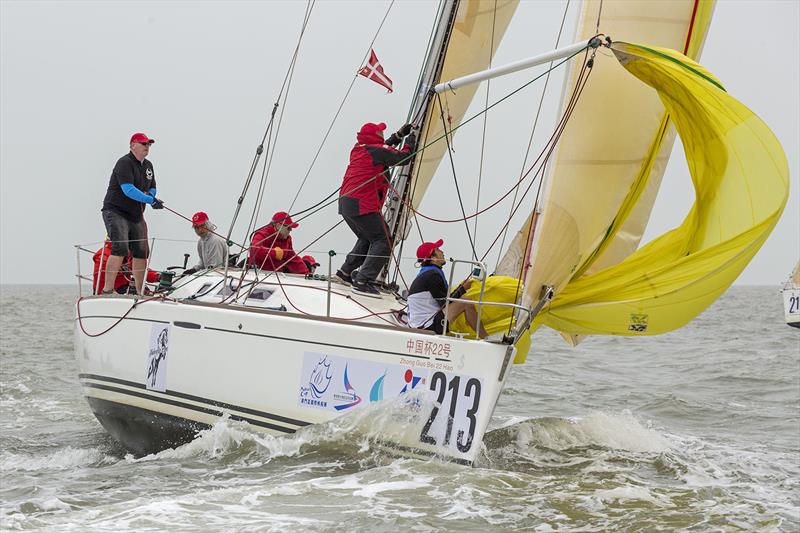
791 305
279 371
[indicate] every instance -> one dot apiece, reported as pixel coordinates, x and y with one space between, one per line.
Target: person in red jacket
271 247
361 198
123 280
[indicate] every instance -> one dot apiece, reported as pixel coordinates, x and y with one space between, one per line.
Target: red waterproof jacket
360 193
124 277
264 256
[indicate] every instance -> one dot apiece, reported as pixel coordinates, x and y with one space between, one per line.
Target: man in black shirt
428 293
131 186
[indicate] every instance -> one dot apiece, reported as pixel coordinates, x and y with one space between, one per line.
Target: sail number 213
453 417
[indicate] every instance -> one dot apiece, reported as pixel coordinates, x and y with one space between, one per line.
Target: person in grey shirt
211 248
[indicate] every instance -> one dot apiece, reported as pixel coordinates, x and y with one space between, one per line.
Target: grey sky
78 78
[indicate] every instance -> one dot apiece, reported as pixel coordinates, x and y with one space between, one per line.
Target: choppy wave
692 431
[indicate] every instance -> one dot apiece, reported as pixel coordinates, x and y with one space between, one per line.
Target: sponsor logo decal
156 376
319 380
342 384
349 396
410 379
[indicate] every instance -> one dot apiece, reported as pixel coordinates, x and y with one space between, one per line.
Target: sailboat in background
791 298
281 352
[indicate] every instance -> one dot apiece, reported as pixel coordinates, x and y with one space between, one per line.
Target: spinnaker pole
547 57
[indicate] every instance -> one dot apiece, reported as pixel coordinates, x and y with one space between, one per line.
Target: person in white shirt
211 248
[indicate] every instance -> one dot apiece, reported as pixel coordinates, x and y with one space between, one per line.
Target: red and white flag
374 71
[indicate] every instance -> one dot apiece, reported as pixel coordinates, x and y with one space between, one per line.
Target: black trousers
371 251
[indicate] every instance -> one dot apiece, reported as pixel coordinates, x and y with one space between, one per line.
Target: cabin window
260 294
202 290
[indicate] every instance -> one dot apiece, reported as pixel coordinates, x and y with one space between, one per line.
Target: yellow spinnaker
741 182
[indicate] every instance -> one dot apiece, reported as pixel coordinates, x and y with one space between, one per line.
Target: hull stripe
200 399
182 405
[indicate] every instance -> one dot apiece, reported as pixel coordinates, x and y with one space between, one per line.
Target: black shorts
125 234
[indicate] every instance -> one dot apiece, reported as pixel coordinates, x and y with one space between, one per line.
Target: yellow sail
741 181
469 50
613 152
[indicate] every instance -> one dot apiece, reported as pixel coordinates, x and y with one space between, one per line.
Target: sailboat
281 352
791 298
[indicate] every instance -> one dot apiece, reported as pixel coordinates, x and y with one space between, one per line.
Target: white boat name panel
454 416
156 372
791 304
341 384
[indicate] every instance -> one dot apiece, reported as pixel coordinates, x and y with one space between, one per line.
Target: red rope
115 324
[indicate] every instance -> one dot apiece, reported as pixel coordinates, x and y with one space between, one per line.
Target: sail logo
638 323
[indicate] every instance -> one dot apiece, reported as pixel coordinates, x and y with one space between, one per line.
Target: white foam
617 431
64 458
630 492
376 488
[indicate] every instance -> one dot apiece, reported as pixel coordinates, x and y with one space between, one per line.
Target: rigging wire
288 85
583 79
339 109
268 129
455 179
485 120
533 132
327 201
599 13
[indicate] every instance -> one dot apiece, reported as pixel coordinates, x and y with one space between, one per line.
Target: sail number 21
459 415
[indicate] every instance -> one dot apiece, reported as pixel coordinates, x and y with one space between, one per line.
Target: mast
397 214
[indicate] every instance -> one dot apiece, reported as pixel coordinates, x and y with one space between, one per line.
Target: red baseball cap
282 217
199 218
426 249
310 260
369 127
141 138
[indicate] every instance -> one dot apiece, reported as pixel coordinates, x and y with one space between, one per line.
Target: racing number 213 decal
464 400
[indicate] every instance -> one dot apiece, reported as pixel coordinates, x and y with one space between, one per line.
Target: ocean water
697 430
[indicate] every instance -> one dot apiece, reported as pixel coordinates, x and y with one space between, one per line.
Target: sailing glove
411 142
158 204
403 131
393 140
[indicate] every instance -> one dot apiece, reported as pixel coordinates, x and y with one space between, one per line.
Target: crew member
428 293
271 247
122 282
311 263
361 198
132 185
211 248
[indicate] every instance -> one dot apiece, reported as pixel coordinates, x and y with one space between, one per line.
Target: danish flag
373 70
